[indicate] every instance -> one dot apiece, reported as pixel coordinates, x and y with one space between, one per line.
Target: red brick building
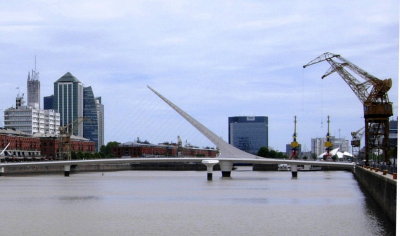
22 146
49 146
151 150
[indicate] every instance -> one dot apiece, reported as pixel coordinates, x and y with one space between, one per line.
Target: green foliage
74 156
85 155
106 151
79 155
263 152
270 153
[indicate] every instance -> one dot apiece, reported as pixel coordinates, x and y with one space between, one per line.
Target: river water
184 203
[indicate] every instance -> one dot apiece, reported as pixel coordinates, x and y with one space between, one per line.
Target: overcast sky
214 59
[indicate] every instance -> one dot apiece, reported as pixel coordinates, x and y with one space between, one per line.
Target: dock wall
382 188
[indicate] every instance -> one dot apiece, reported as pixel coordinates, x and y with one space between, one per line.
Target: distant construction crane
64 146
372 92
356 141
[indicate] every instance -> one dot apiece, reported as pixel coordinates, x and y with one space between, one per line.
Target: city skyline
214 60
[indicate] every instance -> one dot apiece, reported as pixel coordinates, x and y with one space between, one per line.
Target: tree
106 151
270 153
74 155
263 152
79 155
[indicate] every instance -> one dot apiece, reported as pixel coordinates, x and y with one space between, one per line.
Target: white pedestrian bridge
229 154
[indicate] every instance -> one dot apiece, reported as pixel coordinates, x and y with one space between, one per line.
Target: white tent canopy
336 152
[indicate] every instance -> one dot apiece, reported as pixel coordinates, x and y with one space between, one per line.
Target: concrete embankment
382 188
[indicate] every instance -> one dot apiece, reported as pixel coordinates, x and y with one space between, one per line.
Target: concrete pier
1 171
293 169
67 169
210 165
226 168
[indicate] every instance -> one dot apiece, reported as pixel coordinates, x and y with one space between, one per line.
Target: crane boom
363 90
373 93
355 134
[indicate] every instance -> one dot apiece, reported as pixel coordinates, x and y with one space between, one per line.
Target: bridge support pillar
2 171
293 169
226 168
210 164
67 169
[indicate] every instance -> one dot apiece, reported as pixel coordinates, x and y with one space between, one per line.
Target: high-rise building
317 145
68 101
248 133
90 124
33 87
48 102
31 120
100 121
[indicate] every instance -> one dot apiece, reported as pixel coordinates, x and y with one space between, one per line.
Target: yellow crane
294 144
328 143
373 94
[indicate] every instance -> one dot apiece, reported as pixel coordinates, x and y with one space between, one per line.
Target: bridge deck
180 159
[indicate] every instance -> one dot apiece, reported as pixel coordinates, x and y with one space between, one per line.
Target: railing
382 167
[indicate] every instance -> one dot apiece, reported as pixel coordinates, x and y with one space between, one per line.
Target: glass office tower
90 124
68 101
248 133
48 102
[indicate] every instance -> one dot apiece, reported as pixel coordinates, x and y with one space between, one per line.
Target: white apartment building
317 145
31 120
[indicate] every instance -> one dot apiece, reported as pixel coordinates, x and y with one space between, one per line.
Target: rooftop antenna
35 74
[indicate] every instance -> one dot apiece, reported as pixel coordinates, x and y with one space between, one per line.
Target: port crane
373 94
328 143
64 146
294 144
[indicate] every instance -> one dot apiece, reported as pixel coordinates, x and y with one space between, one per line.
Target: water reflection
79 198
